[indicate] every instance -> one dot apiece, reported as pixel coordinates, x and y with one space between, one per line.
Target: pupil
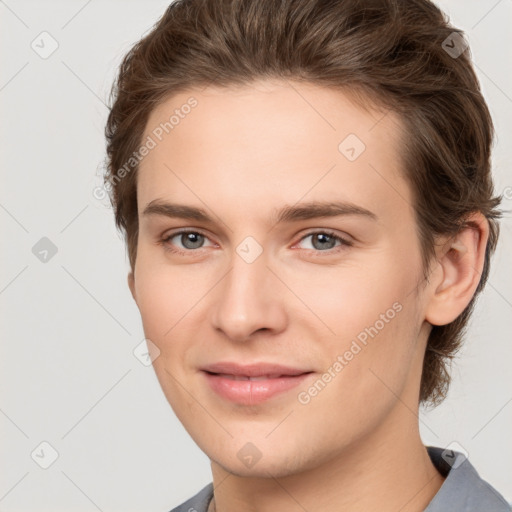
188 239
326 240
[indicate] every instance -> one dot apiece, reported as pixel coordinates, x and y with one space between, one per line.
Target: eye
323 241
190 241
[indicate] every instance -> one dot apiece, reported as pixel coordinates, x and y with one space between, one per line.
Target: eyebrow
288 213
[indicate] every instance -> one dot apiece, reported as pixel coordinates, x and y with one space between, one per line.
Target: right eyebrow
173 210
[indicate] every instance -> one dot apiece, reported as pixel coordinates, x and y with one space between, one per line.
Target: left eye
322 241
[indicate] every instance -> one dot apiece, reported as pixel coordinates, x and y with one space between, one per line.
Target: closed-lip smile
252 384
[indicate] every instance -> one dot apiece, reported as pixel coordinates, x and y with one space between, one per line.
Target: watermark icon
507 193
44 250
249 249
305 397
455 45
44 45
454 454
146 352
150 143
44 455
351 147
249 454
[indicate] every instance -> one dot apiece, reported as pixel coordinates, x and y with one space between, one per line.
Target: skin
240 154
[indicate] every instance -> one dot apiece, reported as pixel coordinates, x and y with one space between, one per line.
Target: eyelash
165 242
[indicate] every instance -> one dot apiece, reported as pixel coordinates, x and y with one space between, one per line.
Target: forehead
273 141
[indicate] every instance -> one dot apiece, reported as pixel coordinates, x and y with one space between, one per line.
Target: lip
235 382
253 370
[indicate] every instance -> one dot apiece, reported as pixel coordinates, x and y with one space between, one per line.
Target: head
247 110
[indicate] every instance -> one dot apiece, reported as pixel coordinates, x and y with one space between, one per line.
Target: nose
248 300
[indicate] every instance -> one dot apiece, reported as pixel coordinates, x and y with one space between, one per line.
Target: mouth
252 384
245 377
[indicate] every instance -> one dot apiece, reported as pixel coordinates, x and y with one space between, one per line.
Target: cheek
164 298
374 316
384 356
166 307
344 302
364 376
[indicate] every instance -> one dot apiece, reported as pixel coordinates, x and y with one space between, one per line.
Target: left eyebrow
317 209
288 213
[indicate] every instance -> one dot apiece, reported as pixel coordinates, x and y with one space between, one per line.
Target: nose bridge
248 298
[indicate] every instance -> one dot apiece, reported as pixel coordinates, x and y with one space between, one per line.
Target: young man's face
245 289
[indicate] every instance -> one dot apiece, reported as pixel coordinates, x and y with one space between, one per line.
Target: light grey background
69 325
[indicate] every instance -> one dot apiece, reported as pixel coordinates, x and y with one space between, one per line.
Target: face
263 278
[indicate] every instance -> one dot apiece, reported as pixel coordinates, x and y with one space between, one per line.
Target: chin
268 469
271 461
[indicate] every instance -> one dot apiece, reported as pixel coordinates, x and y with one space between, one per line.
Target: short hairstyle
392 54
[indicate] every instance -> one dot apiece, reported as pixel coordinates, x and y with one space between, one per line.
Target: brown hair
392 52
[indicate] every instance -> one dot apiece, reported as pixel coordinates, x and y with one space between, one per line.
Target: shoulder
198 502
463 489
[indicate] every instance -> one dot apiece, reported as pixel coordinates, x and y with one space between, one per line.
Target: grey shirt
462 491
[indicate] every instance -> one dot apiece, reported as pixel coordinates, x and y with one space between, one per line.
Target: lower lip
252 392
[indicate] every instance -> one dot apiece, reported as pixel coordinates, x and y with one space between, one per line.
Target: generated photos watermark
151 142
357 345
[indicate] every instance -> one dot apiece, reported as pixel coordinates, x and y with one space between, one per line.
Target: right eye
190 241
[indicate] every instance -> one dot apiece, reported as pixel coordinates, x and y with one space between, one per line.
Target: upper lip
253 370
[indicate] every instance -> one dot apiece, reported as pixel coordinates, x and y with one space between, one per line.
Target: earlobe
461 260
131 285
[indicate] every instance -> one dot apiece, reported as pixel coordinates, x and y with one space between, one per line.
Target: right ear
131 285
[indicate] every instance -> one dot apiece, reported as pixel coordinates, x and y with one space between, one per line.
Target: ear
131 284
459 266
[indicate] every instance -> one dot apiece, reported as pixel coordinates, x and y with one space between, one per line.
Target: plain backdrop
69 377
